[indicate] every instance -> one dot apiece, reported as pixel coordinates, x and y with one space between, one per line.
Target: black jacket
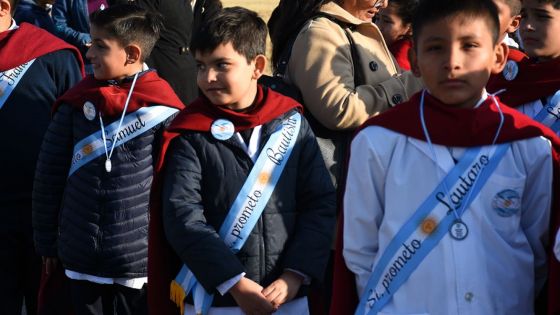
97 222
24 119
203 177
171 56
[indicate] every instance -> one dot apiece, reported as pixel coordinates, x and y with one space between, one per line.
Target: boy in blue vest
93 178
247 204
449 195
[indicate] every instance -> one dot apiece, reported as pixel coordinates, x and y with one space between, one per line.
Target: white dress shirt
501 264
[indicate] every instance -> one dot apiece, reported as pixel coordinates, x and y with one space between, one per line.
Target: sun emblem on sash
428 226
87 149
263 178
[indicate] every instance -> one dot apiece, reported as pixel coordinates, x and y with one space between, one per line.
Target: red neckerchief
201 113
516 55
109 99
454 127
400 49
28 42
163 264
533 82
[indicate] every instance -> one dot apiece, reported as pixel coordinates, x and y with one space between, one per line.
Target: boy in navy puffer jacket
247 203
93 178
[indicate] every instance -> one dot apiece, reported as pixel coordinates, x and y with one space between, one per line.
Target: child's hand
284 289
248 296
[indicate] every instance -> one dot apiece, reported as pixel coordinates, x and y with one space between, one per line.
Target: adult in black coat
171 56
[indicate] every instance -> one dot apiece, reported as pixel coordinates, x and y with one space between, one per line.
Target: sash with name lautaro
550 114
134 124
428 225
9 79
246 209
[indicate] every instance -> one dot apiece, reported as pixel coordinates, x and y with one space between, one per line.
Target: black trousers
20 269
90 298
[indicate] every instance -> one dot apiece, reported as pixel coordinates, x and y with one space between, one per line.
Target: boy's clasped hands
255 300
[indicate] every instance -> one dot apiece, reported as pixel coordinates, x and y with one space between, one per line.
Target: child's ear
260 64
408 30
133 53
514 24
501 52
5 8
412 58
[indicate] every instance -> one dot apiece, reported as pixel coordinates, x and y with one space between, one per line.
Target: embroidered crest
507 202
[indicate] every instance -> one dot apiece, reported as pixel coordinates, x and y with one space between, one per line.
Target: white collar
482 99
13 26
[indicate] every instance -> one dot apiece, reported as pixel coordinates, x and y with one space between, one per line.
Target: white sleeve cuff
228 284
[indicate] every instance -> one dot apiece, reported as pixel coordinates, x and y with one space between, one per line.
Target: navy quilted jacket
95 222
201 180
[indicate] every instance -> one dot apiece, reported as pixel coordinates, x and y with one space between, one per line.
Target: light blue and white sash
550 113
9 79
412 243
246 209
134 124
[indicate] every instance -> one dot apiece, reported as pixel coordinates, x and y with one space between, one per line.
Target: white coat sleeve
536 203
363 207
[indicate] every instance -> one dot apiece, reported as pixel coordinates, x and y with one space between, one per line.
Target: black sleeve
50 180
65 71
309 247
191 237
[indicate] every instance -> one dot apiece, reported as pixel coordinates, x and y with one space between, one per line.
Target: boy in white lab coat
448 196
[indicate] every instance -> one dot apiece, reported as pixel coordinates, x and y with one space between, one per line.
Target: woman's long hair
286 21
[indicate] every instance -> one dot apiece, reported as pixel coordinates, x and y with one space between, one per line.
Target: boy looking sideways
247 204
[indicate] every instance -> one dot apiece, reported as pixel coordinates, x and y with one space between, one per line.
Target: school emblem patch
507 203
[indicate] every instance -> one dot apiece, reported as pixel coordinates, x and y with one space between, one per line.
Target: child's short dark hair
241 27
430 11
13 4
405 9
514 6
128 23
554 3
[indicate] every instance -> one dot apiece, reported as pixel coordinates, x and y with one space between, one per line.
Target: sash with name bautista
550 114
428 225
9 79
246 208
134 124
